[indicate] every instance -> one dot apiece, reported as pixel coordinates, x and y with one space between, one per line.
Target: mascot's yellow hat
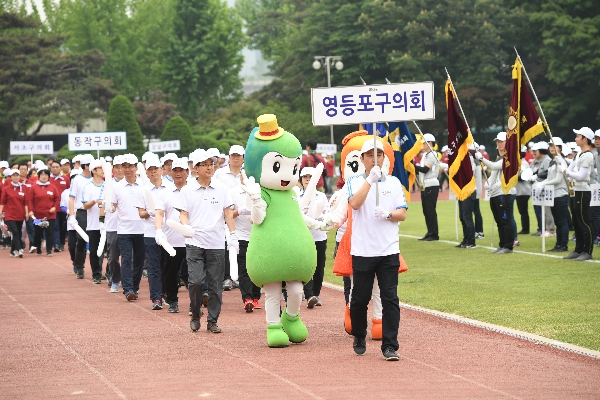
268 128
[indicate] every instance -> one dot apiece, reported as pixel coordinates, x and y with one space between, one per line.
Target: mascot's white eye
276 167
353 165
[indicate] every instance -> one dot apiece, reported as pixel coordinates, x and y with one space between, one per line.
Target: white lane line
461 378
79 358
493 248
234 355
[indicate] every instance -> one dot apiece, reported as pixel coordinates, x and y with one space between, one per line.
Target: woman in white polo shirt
93 194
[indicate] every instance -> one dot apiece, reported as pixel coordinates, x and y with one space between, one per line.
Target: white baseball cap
598 132
200 156
523 149
75 171
557 141
180 163
472 146
118 160
4 164
39 165
585 132
566 150
76 158
481 147
530 144
237 149
540 146
212 152
169 156
444 148
95 164
429 137
129 159
153 162
501 136
108 158
86 159
307 171
11 172
148 155
368 145
64 161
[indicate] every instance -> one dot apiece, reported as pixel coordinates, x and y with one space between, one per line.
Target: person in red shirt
62 182
330 170
43 202
13 203
312 159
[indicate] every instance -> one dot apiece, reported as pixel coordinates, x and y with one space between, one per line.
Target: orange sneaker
256 304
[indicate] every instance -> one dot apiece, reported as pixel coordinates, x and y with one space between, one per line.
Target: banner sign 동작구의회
97 141
37 147
348 105
168 145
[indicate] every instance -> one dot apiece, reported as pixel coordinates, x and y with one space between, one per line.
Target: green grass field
551 297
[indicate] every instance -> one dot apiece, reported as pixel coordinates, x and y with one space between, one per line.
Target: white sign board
168 145
348 105
37 147
595 201
326 148
543 197
88 141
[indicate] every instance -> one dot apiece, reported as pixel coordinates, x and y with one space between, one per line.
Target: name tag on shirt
50 193
386 193
214 201
21 194
63 182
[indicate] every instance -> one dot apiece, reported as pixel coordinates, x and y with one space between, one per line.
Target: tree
204 58
121 118
41 83
177 128
153 113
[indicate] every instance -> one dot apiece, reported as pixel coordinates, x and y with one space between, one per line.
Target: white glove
151 213
102 227
330 220
244 211
232 242
160 235
190 233
533 178
486 185
539 186
305 210
72 221
251 187
444 166
381 213
478 155
374 175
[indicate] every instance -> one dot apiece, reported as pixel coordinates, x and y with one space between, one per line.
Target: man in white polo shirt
374 248
230 175
204 205
110 222
165 209
130 228
167 164
147 213
77 214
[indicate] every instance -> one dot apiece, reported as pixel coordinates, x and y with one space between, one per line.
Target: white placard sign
348 105
167 145
543 197
88 141
36 147
326 148
595 201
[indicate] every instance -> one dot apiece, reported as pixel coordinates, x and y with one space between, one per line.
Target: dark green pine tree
122 118
178 129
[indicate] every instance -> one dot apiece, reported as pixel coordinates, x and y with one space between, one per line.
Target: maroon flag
460 171
524 123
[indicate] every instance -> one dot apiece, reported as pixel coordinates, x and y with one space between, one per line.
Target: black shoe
213 327
80 273
360 346
390 355
173 307
195 322
103 278
424 237
561 249
572 256
523 232
61 248
460 245
97 281
227 285
431 239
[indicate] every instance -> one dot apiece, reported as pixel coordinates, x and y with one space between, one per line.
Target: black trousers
478 217
15 227
465 212
502 207
61 228
80 251
364 270
170 269
429 202
72 241
313 287
247 288
37 237
580 208
95 261
523 207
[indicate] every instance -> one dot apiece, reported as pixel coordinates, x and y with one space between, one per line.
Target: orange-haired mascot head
350 161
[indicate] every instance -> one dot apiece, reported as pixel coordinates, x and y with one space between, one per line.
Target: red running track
68 338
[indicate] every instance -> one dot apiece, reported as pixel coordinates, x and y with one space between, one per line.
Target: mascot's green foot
276 336
294 327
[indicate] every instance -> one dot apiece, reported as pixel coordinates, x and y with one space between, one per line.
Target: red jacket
309 161
41 199
14 199
61 183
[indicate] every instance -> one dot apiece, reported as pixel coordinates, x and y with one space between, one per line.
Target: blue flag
380 126
406 146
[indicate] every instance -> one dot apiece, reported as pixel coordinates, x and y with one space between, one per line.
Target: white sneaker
21 253
114 288
32 249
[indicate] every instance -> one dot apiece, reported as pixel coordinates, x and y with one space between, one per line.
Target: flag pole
457 100
374 153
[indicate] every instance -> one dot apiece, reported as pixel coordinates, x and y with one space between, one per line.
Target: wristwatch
389 216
